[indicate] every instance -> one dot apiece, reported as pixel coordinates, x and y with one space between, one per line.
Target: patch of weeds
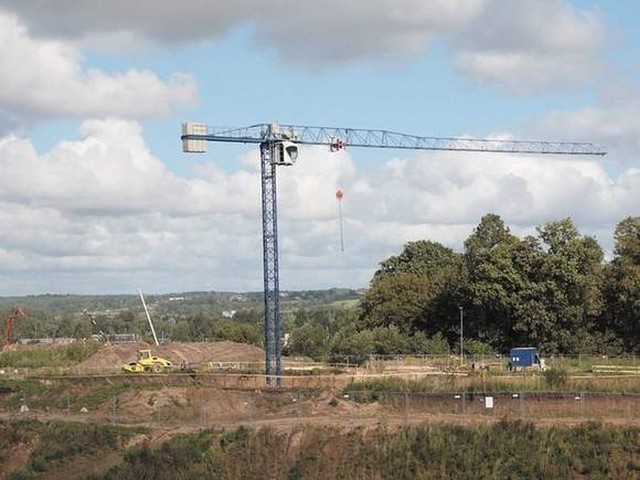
56 356
555 378
100 395
32 392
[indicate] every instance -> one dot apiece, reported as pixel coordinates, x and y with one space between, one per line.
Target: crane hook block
286 153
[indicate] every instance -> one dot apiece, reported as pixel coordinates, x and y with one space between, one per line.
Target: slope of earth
111 357
408 451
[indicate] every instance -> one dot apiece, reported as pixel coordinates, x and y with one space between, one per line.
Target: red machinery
8 327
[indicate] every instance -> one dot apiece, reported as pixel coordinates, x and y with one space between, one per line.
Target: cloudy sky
97 197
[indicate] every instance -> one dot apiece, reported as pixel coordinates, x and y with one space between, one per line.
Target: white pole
153 330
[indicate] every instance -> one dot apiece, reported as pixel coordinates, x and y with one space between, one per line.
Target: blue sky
97 196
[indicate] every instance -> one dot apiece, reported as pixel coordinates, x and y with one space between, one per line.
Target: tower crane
279 147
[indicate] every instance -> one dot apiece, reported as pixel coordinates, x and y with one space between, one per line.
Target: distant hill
169 302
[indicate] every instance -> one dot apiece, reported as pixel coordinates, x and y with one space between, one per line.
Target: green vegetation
54 445
51 396
501 450
99 395
556 378
553 291
368 389
505 449
57 355
34 393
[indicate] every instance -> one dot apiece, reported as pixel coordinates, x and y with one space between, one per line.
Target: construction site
166 389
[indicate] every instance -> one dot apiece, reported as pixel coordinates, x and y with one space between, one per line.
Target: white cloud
111 171
305 32
339 32
614 123
523 46
45 78
531 46
102 214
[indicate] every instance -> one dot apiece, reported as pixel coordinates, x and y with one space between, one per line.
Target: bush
555 377
476 347
436 345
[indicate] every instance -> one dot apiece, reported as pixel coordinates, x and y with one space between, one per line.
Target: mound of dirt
111 357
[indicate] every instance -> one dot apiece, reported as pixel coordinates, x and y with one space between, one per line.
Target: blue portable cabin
524 357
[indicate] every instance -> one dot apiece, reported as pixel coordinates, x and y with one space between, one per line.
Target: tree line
553 290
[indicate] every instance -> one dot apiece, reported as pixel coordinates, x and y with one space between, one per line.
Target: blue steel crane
279 147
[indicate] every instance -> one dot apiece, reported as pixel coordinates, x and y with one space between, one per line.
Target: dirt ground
225 398
196 354
171 410
222 395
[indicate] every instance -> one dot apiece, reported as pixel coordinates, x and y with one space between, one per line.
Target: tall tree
411 289
622 285
571 281
493 281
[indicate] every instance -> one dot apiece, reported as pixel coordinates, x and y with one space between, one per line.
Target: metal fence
522 405
211 406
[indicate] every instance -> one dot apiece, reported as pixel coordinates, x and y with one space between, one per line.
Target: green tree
494 281
400 299
414 290
422 257
622 285
201 326
233 331
308 340
571 281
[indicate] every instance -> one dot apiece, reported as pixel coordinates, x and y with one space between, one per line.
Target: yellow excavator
147 363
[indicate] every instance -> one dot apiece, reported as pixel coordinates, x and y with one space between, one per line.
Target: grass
102 394
33 393
47 395
504 449
59 356
500 450
550 381
53 445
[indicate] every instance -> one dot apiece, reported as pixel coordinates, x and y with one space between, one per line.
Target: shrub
555 377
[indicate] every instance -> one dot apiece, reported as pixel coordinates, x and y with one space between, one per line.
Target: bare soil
213 398
198 354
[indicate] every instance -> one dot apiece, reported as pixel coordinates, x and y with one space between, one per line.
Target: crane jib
361 138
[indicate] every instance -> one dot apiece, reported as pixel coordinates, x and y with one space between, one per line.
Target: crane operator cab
286 153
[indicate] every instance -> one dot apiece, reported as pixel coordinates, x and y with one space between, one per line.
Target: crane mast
278 147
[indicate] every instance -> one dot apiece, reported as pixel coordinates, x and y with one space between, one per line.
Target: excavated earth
110 358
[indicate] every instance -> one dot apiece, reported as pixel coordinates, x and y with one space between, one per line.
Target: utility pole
279 147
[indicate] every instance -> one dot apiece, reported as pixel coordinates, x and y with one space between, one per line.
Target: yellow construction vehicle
147 363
